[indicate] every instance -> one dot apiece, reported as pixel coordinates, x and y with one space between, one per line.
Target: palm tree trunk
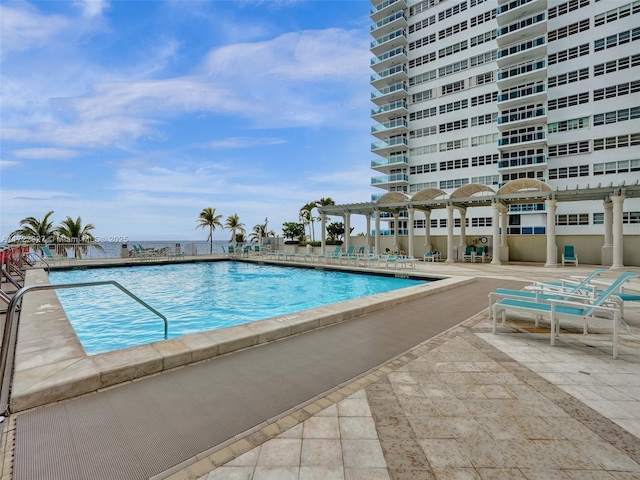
210 240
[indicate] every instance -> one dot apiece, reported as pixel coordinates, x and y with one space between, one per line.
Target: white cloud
244 142
22 27
45 153
93 8
4 164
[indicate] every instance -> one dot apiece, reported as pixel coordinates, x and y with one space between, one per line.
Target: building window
568 30
570 101
622 166
616 90
568 54
565 149
573 219
482 222
454 164
453 106
616 39
453 183
569 172
484 160
570 77
567 7
615 65
426 113
616 116
620 141
567 125
616 13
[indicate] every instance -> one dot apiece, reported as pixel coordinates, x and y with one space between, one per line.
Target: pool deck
460 404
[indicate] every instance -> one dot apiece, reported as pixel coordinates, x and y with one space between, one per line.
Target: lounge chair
50 257
590 310
569 255
541 292
346 255
325 255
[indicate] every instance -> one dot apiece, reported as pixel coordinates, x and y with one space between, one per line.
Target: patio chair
49 256
569 255
431 256
479 254
325 255
469 253
591 310
349 253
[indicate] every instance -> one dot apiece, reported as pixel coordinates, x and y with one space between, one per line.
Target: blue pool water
199 297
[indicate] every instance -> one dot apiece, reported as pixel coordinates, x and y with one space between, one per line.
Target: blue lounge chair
569 255
469 254
558 309
349 253
431 256
328 255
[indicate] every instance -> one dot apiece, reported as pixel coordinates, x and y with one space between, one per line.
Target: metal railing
11 330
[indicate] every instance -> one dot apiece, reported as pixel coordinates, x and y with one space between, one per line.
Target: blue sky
136 115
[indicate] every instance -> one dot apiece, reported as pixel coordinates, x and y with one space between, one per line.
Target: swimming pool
199 297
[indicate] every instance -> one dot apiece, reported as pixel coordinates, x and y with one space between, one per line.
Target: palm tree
233 223
71 231
208 218
259 232
306 217
34 230
324 202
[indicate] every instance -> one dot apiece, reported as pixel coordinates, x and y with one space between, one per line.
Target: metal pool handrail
11 330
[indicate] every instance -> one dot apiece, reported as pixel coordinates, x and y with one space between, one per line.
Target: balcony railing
395 160
522 115
386 38
512 5
521 69
381 127
397 177
521 92
521 47
382 6
526 137
387 55
522 161
390 71
385 21
386 91
541 17
389 107
392 142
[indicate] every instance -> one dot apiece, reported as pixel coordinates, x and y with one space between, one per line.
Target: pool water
199 297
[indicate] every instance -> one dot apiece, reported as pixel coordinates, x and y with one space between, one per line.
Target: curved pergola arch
427 194
472 189
523 185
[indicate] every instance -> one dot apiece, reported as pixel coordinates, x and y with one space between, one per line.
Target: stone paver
472 405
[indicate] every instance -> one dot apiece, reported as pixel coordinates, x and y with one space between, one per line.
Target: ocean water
200 297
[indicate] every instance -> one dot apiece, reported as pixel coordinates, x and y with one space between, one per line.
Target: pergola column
411 215
463 229
377 241
618 202
396 225
495 224
450 258
347 229
427 230
368 235
552 248
323 236
606 253
504 224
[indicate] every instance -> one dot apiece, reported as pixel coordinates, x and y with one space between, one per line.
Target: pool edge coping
40 381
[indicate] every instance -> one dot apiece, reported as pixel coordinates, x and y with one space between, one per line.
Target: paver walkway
462 406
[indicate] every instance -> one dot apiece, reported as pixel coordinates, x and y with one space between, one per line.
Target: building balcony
509 12
389 24
391 128
386 181
521 52
388 59
523 73
386 147
395 39
386 8
524 140
531 27
390 111
515 97
395 161
395 74
522 118
399 91
522 163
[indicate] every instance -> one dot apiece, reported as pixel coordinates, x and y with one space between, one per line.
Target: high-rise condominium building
482 91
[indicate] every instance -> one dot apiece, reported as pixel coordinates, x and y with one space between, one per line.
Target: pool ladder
9 337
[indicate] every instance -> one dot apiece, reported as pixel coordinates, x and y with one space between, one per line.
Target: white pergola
515 192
